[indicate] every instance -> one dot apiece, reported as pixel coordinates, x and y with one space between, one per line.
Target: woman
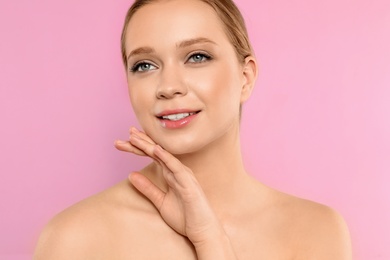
190 68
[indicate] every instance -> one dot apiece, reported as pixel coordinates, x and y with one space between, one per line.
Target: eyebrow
142 50
190 42
183 44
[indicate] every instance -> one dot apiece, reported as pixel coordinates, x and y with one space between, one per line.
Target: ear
249 73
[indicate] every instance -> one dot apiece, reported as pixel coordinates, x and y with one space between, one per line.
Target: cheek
214 80
220 86
139 96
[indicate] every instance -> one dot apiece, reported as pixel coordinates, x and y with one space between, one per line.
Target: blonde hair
227 11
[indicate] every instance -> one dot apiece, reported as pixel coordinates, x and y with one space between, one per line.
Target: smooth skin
195 200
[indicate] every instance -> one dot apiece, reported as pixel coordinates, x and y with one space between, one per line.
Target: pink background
317 125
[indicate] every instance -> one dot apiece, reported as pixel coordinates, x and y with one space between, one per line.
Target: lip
169 124
176 111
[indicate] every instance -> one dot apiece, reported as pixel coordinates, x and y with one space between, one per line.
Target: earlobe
250 71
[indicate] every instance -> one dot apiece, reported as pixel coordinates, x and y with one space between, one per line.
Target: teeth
175 117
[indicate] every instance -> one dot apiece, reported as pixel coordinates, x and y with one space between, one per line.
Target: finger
142 135
127 147
141 144
144 146
169 177
147 188
182 173
168 159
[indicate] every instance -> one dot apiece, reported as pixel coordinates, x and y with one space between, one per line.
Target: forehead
168 22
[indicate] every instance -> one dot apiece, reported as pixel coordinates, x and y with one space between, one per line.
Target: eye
142 67
199 58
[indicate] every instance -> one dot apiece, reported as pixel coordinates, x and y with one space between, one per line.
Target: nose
171 83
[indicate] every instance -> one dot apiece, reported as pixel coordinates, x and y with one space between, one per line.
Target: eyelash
204 55
136 66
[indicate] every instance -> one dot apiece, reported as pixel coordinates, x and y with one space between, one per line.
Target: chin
180 148
181 145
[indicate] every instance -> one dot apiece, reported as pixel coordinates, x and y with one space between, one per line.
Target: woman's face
185 81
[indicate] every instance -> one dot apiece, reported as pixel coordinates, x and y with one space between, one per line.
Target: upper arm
329 237
79 232
62 240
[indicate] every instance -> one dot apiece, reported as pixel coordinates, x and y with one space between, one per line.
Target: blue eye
142 67
199 58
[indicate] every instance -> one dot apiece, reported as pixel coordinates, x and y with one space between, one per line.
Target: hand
184 206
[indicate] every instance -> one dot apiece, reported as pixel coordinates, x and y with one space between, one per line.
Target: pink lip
179 123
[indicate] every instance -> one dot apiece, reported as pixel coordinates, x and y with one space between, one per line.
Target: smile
176 117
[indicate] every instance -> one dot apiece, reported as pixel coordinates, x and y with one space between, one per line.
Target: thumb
147 188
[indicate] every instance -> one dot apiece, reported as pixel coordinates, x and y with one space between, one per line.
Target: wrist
216 246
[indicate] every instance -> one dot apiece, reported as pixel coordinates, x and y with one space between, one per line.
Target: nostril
161 95
177 93
169 92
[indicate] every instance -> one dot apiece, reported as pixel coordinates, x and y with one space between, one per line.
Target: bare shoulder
319 231
88 227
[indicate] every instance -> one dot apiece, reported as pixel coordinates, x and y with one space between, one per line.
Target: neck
218 167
